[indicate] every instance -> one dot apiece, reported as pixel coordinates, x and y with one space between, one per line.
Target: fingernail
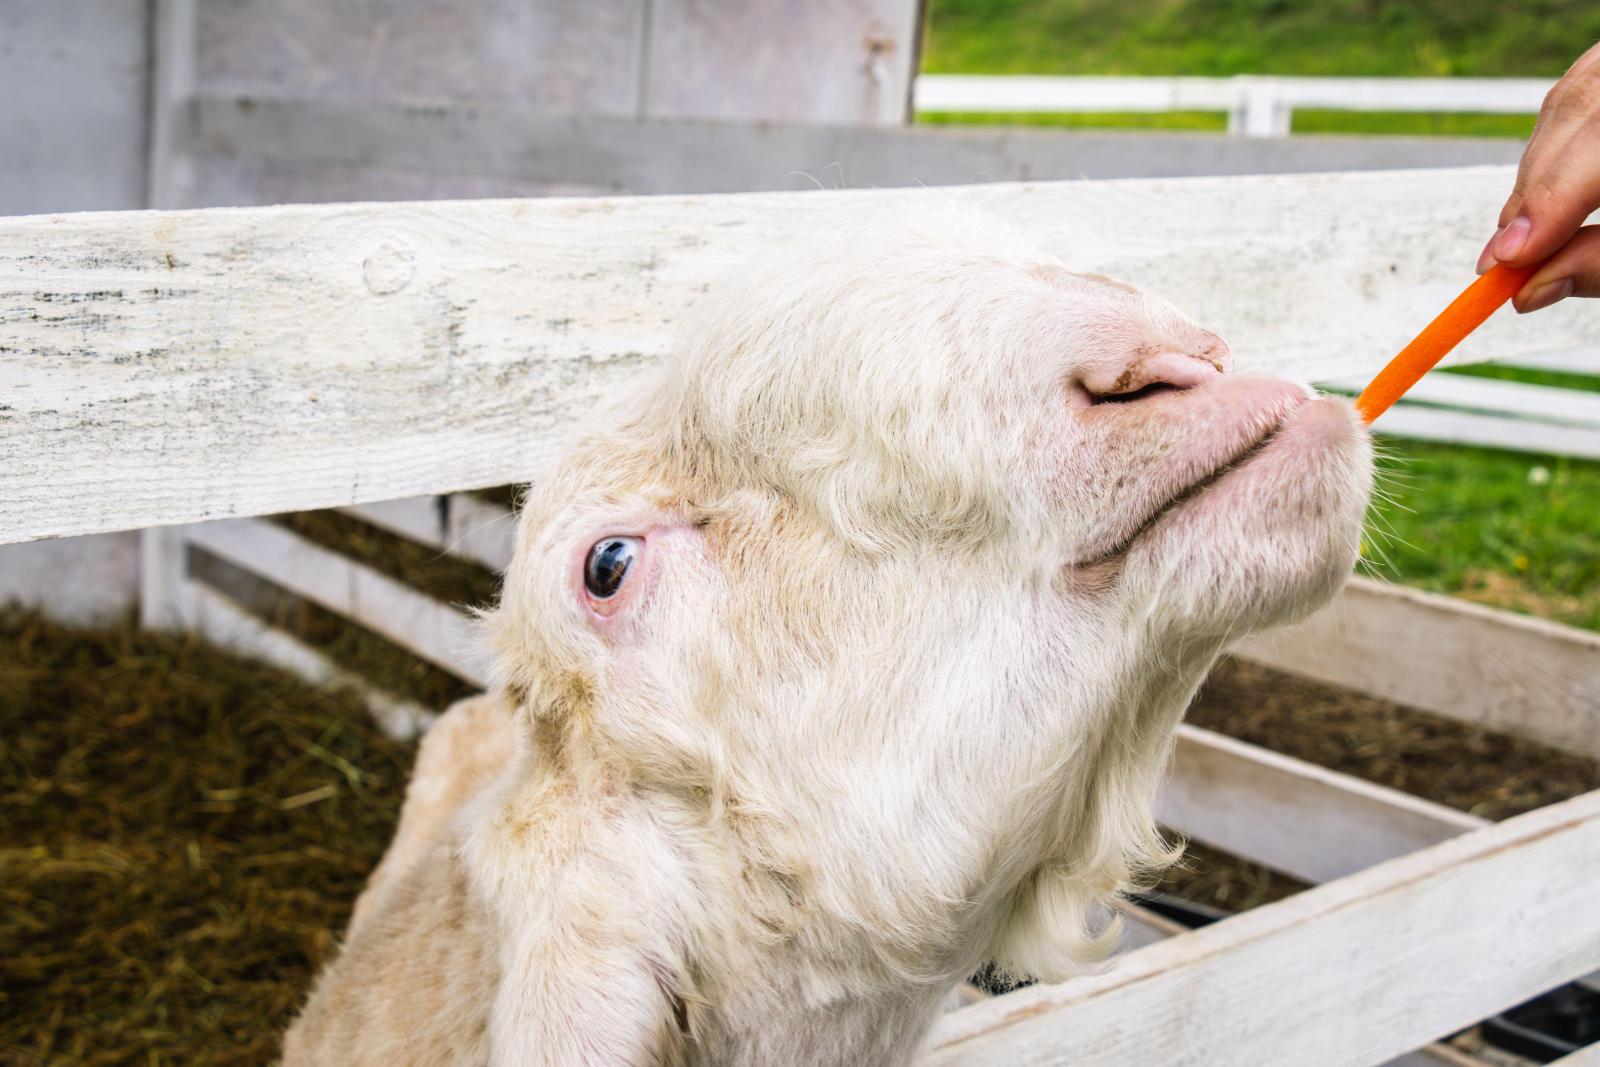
1546 295
1512 236
1486 257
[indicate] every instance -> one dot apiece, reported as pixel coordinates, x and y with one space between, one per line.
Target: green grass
1216 38
1222 37
1515 531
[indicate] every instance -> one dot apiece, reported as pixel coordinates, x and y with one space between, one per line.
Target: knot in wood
389 266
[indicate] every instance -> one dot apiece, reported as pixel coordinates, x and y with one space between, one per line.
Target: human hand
1557 187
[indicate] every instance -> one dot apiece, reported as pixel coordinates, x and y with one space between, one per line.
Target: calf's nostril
1148 376
1142 393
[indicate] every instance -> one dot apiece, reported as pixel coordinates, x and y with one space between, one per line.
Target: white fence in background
1489 413
1257 105
181 367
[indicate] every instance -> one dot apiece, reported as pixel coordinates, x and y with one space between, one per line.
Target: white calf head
898 578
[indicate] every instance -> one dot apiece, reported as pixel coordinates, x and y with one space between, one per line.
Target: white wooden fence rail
1482 666
184 366
1257 105
1352 972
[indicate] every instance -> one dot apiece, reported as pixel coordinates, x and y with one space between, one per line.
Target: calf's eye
608 564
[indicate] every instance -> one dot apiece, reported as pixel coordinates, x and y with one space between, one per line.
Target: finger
1563 111
1573 271
1558 186
1558 179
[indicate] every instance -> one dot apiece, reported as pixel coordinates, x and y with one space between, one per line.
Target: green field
1221 37
1516 531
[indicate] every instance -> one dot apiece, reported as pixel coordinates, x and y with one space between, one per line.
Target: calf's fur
939 539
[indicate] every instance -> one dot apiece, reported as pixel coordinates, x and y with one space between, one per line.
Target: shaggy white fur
933 540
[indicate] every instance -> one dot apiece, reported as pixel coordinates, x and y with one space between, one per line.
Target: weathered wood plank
163 368
1491 431
480 531
1575 361
1296 817
169 170
698 156
1352 972
1584 1057
1143 928
440 634
222 622
1541 403
1047 93
1464 661
459 524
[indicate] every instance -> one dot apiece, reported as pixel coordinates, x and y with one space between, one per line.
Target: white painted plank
460 524
1542 402
1024 93
478 530
1589 1056
222 622
165 368
1352 972
1438 1055
440 634
1464 661
418 518
696 156
1504 96
81 581
1143 928
1576 361
163 569
1296 817
169 170
1489 431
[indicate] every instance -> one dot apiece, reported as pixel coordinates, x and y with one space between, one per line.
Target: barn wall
73 84
72 105
844 62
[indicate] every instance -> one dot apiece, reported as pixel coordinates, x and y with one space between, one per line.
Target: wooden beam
1588 1056
700 156
1143 928
173 47
1575 361
440 634
1355 971
1478 665
222 622
1295 817
174 367
1491 431
1045 94
460 524
1530 404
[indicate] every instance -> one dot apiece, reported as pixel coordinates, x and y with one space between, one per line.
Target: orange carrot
1465 314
